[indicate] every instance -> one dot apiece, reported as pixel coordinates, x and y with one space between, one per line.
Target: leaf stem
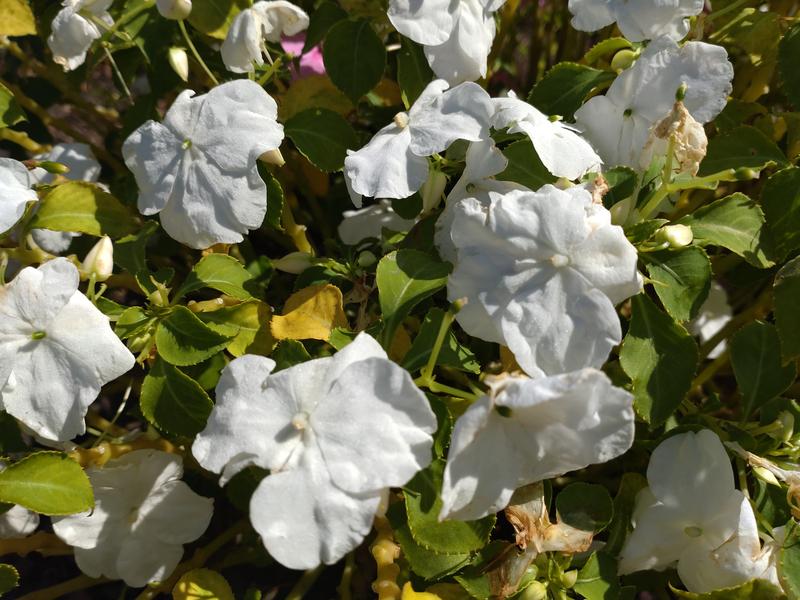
60 590
195 53
117 72
676 186
305 583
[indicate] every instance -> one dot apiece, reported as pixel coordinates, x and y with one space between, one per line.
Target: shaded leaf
681 278
744 146
780 200
524 166
786 293
173 401
214 17
354 57
220 272
585 506
597 579
564 88
452 353
182 339
322 136
10 111
413 71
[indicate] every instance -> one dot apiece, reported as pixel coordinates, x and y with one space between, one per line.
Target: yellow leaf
310 314
252 320
410 594
202 584
16 18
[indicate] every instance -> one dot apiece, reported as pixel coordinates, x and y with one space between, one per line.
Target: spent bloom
692 516
74 29
527 430
198 168
638 21
16 191
143 514
56 350
334 432
266 20
394 164
619 123
542 272
457 35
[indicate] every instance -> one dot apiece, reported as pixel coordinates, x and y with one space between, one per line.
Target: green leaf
597 579
681 278
354 57
10 111
50 483
564 88
133 321
756 361
644 230
85 208
585 506
756 589
660 357
9 578
406 277
289 353
524 166
413 71
734 222
621 182
322 19
788 51
624 502
222 273
606 48
423 505
744 146
789 561
252 320
214 17
129 251
173 401
786 292
182 339
322 136
780 200
274 198
452 353
16 18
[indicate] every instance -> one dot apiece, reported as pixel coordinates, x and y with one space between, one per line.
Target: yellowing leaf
252 319
316 91
410 594
16 18
310 314
201 584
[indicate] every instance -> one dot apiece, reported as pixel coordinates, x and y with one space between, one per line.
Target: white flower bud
179 61
273 157
294 263
678 236
174 9
100 260
766 476
432 190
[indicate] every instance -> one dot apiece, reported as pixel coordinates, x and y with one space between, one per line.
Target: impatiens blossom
143 514
618 124
56 350
562 151
639 20
369 222
198 168
265 20
334 432
713 315
15 192
74 29
393 163
542 272
457 34
527 430
692 516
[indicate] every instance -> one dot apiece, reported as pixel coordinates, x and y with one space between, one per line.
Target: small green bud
745 174
568 578
680 93
535 591
366 259
677 236
623 59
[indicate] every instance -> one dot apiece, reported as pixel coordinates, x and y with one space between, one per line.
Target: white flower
457 34
527 430
265 20
639 20
618 124
15 192
198 167
369 222
393 163
18 522
563 151
542 272
74 29
691 514
56 350
713 315
334 432
174 9
143 514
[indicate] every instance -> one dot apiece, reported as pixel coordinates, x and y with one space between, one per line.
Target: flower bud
272 157
535 591
677 236
294 263
623 59
174 9
366 259
55 168
568 578
432 190
766 476
100 260
179 61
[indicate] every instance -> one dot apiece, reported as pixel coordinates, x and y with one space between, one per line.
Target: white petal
281 18
15 192
714 314
242 45
71 37
101 560
54 242
152 153
654 18
424 21
173 514
83 165
369 222
591 15
18 522
144 560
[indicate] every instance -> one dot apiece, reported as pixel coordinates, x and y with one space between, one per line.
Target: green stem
724 11
273 67
195 53
305 583
447 320
347 575
695 182
117 72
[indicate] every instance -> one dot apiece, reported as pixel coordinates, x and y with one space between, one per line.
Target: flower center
133 515
401 120
693 531
187 143
38 335
300 421
559 260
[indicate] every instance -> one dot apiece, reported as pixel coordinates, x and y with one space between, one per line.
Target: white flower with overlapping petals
527 430
16 191
618 124
143 514
638 21
370 222
198 168
265 20
561 149
334 432
56 350
457 34
542 272
74 29
394 164
692 516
